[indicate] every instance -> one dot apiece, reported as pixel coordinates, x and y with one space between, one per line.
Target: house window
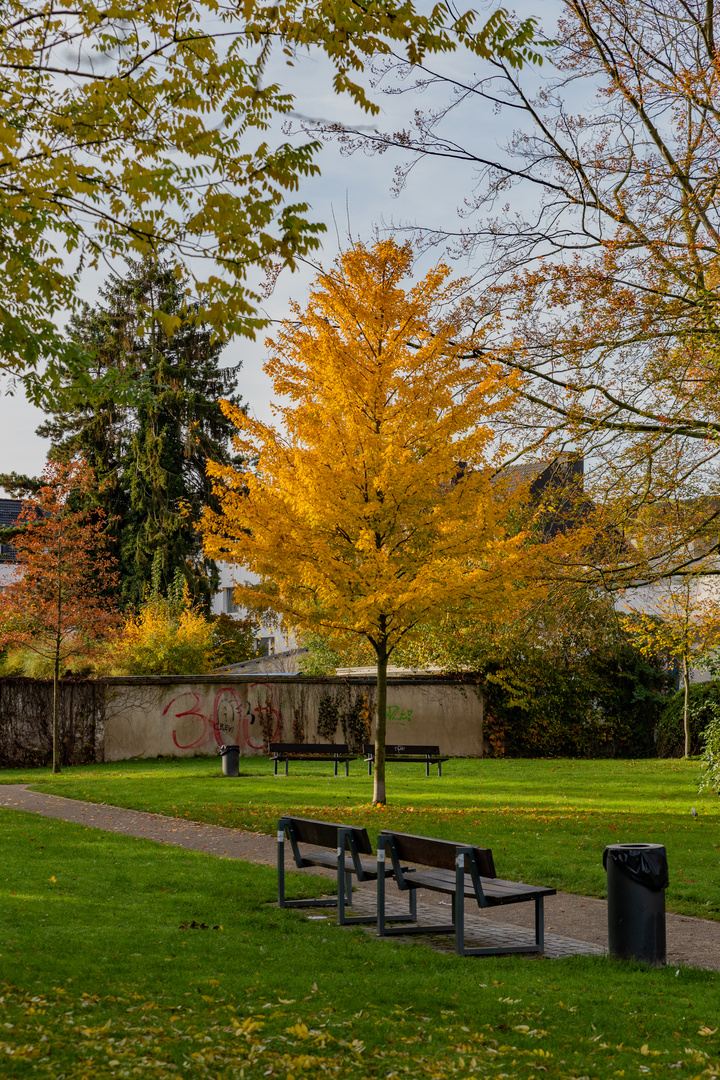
265 646
229 605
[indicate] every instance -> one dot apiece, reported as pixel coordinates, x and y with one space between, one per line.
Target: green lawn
101 980
546 821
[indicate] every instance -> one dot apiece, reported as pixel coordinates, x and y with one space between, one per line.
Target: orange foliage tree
59 602
371 507
609 262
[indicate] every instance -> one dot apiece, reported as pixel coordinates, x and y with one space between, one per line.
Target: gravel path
570 920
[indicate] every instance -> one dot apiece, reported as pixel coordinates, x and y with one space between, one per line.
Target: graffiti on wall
232 719
396 715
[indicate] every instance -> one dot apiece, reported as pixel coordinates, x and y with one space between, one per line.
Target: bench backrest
399 750
325 834
308 748
441 854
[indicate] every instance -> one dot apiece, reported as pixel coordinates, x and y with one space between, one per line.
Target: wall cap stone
311 680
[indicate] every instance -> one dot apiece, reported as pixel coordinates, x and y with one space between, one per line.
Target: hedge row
603 704
670 731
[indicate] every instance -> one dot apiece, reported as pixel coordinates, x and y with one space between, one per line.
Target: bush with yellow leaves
166 637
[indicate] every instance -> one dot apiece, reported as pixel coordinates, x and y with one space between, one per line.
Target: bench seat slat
497 884
405 748
333 749
313 757
420 760
328 860
509 892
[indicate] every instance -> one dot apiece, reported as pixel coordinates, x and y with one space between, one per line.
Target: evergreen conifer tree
149 456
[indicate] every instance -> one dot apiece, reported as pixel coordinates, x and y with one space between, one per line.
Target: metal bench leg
286 767
341 887
347 768
275 763
458 908
381 887
427 766
539 924
336 766
369 768
439 768
281 866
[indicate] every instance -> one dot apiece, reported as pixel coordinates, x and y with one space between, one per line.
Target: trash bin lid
645 863
233 746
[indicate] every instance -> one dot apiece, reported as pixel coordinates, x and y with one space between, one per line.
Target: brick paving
481 928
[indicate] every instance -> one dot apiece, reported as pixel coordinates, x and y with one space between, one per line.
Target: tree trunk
379 798
56 667
56 711
686 707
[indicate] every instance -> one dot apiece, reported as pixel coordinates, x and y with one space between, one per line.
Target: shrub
670 735
34 665
234 639
602 703
711 749
165 638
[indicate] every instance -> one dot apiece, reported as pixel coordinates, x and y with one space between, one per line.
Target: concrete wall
191 715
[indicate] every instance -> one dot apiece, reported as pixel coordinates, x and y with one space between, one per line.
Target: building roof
556 471
9 513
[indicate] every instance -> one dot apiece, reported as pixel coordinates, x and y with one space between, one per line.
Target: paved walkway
573 924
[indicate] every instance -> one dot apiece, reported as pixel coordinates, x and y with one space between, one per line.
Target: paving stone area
480 930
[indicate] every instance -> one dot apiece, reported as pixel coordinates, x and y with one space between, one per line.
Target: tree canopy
130 129
371 506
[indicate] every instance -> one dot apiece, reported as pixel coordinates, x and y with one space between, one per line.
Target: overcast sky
354 190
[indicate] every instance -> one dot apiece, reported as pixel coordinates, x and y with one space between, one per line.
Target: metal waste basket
230 760
637 876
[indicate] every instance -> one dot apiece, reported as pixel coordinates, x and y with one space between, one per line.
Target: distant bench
429 754
461 871
337 752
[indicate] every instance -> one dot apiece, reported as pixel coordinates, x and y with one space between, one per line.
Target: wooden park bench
337 752
429 754
461 871
343 847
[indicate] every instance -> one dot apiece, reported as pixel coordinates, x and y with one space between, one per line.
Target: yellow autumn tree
370 507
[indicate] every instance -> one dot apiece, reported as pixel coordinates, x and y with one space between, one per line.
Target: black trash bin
230 760
637 876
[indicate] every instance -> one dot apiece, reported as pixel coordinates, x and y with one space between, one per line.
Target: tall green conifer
149 456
